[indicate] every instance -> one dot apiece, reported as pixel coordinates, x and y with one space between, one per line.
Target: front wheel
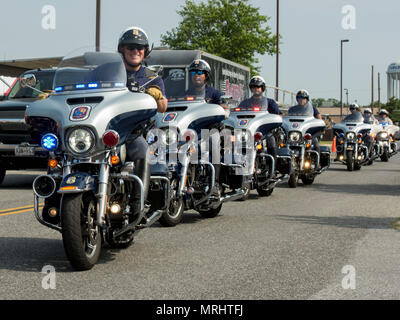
81 236
2 173
174 214
350 161
211 213
264 193
307 180
293 180
385 155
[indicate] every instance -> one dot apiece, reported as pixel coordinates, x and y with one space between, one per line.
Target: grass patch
396 224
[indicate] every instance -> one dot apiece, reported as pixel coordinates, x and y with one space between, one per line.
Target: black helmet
134 35
200 64
303 94
257 81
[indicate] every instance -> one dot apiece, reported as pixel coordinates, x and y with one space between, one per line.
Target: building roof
14 68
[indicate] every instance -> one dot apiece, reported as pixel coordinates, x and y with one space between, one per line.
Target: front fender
77 182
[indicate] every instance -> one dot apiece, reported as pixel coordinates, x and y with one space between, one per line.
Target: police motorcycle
351 148
251 126
386 146
85 125
307 163
191 140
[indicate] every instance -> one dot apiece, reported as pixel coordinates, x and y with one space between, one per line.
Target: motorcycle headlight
170 137
294 136
382 135
80 140
350 135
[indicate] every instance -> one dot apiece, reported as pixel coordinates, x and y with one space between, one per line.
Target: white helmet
367 110
384 111
354 106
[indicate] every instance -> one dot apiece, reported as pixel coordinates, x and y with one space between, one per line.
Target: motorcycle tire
385 156
211 213
119 243
357 166
293 180
350 161
2 174
264 193
80 210
174 214
307 181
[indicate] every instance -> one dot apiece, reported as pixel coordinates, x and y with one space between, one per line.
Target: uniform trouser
271 145
315 142
137 151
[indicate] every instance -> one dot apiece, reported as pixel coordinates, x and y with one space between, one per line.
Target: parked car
18 150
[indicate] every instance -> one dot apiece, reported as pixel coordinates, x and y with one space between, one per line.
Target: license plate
24 151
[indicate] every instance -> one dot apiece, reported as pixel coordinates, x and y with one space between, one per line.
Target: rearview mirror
28 80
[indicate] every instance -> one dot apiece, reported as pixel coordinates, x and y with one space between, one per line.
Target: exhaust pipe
44 186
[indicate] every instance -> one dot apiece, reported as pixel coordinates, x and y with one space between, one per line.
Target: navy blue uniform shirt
212 95
265 104
144 75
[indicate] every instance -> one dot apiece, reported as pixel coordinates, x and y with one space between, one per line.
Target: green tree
230 29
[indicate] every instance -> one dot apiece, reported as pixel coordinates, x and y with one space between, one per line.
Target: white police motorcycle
85 125
300 125
386 146
192 142
250 127
351 149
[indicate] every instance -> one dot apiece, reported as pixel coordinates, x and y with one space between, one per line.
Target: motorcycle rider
368 117
303 100
133 45
199 71
257 88
384 117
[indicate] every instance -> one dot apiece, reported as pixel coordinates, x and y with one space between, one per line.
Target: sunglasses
198 72
254 86
134 46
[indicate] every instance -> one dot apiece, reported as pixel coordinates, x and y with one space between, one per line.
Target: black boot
143 171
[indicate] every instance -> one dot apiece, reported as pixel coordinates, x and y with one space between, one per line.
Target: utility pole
372 88
277 52
98 14
341 77
379 92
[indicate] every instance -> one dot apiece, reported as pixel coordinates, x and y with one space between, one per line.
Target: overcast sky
311 31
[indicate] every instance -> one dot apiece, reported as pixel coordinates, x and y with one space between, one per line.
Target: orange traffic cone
333 145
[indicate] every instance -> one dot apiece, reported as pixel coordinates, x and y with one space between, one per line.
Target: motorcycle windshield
369 120
90 70
298 110
177 88
354 117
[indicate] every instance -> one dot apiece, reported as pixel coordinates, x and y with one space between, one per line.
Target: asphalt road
291 245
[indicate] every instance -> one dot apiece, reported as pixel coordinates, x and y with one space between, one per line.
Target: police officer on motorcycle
303 100
368 117
257 88
199 71
133 45
384 117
